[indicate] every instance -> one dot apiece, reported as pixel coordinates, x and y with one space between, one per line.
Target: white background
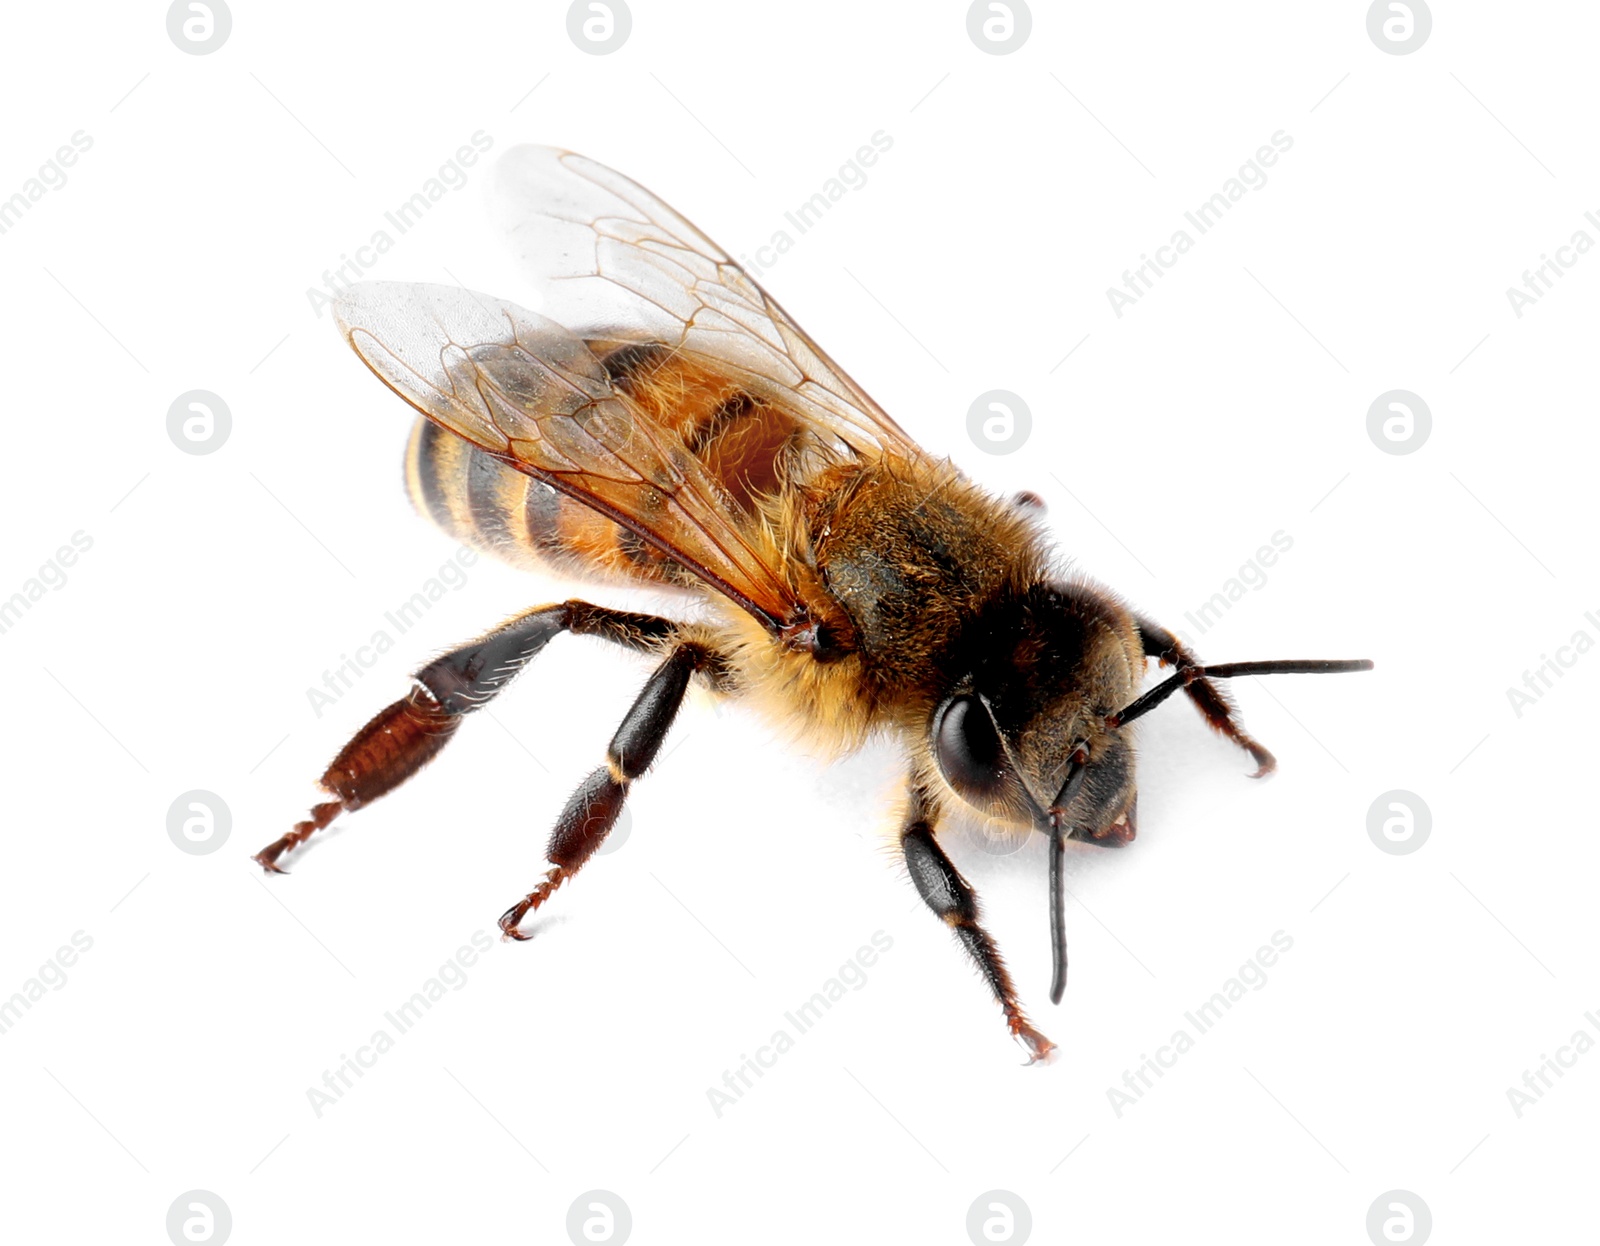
1223 407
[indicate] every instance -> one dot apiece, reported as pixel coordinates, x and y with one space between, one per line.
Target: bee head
1032 726
1022 733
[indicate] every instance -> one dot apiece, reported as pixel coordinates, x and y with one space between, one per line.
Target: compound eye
967 747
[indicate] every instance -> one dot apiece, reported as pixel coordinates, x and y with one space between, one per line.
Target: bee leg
1212 702
388 750
945 892
593 809
407 735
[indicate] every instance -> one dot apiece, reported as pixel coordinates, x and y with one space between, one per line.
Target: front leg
593 809
944 891
1212 702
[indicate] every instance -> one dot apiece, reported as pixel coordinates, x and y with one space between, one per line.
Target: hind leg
408 734
594 808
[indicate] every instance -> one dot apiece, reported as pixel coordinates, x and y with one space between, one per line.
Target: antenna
1228 670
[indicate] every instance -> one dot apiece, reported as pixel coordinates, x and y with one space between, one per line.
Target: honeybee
663 422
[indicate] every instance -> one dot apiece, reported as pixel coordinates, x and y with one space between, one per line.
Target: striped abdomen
477 499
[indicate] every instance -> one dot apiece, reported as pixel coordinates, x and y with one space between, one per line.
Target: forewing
612 260
526 390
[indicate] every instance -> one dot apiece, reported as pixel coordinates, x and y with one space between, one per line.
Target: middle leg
593 809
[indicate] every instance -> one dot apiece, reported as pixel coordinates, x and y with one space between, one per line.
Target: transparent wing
533 395
613 260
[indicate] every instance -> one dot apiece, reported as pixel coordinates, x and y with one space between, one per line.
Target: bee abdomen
477 499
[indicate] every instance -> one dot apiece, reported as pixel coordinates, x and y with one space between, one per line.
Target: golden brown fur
898 553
